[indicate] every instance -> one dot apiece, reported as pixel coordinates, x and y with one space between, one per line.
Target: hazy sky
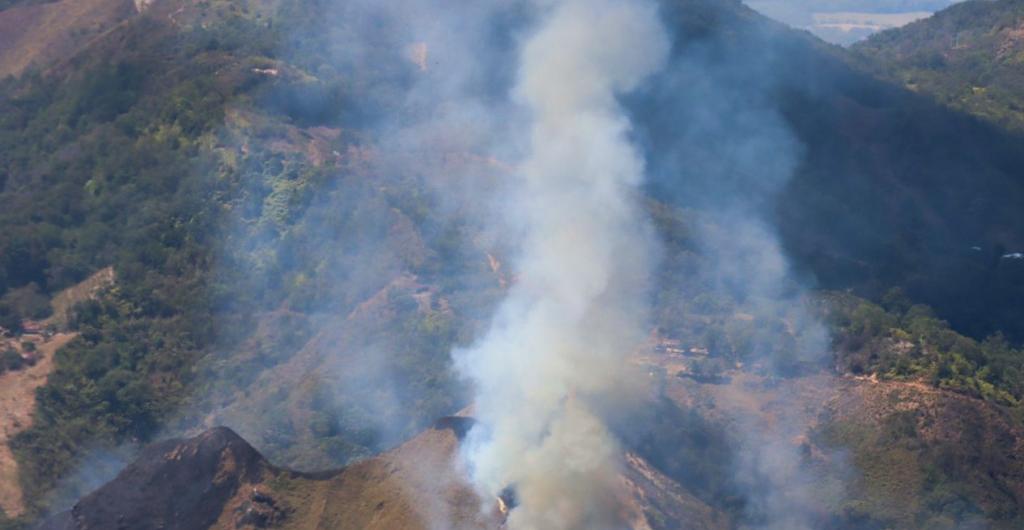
867 16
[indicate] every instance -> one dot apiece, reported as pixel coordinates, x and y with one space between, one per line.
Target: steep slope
970 57
107 186
196 164
871 185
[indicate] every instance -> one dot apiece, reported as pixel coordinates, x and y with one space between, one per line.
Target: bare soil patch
17 403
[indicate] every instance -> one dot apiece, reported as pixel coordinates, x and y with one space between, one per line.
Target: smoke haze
719 145
559 341
529 92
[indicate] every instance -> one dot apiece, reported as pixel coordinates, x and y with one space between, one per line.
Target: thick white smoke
557 346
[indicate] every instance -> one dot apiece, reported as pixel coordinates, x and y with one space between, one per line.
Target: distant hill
969 57
847 21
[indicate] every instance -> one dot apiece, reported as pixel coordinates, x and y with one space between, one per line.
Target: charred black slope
175 484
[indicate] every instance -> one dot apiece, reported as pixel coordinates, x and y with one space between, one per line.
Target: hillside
867 183
969 57
291 264
217 481
182 146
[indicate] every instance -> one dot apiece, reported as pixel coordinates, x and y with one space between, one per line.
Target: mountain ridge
218 481
896 430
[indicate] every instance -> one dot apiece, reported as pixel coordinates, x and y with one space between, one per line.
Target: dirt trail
17 403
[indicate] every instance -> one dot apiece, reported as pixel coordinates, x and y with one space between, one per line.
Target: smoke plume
556 347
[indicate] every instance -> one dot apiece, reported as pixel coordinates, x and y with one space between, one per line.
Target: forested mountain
279 250
968 57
